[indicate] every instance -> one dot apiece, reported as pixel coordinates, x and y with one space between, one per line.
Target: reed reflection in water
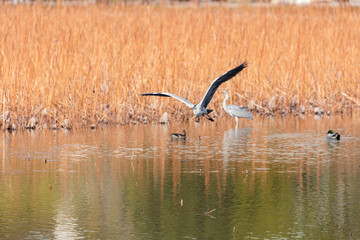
271 178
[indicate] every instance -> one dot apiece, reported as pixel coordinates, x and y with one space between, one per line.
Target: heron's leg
236 121
208 117
196 119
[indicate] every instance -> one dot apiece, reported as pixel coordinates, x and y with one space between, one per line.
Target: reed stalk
86 64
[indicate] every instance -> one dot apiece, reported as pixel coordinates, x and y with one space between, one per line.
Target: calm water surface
267 179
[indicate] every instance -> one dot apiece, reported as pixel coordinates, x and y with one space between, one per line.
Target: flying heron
235 111
200 108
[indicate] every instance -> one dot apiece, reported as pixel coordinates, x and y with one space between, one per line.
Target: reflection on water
235 143
269 178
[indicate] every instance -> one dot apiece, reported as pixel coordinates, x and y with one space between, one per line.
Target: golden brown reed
87 64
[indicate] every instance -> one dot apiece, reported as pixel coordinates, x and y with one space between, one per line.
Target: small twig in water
207 213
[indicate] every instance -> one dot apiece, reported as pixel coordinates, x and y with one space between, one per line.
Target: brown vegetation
86 65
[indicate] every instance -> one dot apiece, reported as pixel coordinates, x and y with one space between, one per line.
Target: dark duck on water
333 136
179 135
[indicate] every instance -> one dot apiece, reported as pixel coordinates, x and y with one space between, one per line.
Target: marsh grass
87 64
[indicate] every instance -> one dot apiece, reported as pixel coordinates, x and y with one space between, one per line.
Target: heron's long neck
226 98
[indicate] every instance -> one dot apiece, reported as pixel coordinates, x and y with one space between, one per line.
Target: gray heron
200 108
332 136
235 111
181 135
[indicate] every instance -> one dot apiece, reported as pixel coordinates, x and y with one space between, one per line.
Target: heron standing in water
200 108
235 111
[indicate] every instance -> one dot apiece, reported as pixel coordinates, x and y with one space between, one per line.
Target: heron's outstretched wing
217 82
164 94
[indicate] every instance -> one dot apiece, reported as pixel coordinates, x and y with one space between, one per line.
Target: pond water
271 178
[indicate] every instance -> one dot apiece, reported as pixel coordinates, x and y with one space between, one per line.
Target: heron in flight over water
200 108
235 111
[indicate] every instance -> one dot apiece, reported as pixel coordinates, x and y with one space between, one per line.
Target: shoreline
35 124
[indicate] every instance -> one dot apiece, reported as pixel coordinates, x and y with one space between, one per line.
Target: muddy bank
13 122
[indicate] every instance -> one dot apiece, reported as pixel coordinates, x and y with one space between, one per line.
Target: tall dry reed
87 64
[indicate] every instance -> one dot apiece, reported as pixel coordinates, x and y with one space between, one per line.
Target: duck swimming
331 135
181 135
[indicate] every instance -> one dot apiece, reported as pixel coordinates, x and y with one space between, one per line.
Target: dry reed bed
86 65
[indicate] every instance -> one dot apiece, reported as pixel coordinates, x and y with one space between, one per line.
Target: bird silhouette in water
332 136
179 135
